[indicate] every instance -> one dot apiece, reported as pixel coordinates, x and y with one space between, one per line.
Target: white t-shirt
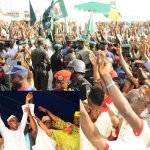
128 140
104 125
127 143
11 54
14 139
43 141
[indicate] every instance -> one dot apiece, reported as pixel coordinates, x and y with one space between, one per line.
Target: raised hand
29 97
93 59
105 67
100 56
118 39
27 109
40 108
143 49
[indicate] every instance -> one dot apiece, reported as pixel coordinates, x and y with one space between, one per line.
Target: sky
130 9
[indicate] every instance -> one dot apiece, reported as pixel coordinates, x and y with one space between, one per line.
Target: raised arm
90 130
42 125
33 124
23 122
93 60
118 98
52 116
123 63
29 98
125 67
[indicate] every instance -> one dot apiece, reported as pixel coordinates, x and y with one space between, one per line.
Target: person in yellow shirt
58 123
65 138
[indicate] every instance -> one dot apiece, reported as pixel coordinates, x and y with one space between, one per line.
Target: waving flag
32 14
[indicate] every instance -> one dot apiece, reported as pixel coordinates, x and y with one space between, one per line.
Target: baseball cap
18 69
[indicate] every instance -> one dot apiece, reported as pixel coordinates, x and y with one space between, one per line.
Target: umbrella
94 6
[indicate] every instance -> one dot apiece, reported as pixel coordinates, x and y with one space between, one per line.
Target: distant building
14 14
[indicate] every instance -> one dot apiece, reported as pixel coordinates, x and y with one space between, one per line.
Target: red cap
62 75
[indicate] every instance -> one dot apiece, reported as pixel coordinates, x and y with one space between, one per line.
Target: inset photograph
39 120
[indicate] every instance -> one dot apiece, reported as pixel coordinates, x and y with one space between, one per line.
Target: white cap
45 118
48 43
12 116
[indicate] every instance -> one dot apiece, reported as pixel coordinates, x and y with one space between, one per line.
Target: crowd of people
32 133
110 68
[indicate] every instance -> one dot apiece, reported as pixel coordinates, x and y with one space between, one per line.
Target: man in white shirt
14 136
101 119
12 50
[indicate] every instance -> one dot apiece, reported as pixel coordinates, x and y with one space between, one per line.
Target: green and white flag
90 28
55 11
32 14
60 10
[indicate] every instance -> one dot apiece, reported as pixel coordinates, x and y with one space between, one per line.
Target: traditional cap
40 39
57 46
23 41
47 42
62 75
18 69
76 114
92 43
45 118
12 116
125 46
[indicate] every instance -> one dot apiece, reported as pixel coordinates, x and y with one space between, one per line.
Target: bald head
136 98
132 96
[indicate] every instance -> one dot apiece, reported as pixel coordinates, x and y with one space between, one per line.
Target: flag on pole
48 16
60 9
90 28
55 11
32 14
66 27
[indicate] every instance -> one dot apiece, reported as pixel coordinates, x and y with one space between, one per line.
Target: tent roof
94 6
